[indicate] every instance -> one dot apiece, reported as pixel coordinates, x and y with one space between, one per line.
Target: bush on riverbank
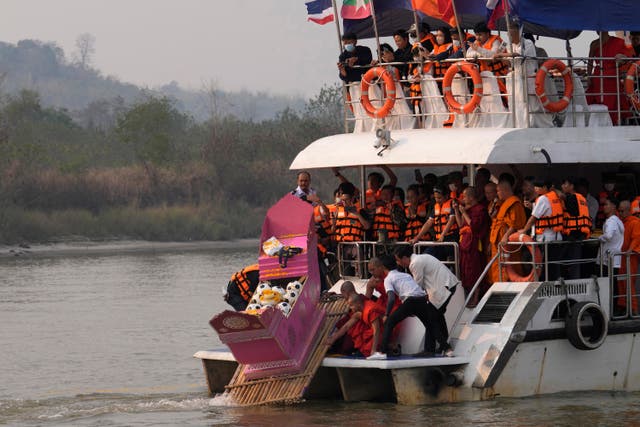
156 174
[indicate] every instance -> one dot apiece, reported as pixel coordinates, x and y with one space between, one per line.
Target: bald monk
631 243
369 328
510 217
341 340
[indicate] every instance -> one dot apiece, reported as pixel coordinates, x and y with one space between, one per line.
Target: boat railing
450 252
597 100
624 285
533 261
354 257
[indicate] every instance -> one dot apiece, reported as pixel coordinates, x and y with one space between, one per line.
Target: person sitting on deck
241 287
368 331
414 303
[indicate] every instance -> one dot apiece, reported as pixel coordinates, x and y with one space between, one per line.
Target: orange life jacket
322 220
383 221
440 67
371 198
441 216
415 222
242 281
496 67
581 222
348 226
553 221
635 207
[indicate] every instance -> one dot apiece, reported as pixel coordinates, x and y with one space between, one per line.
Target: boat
523 338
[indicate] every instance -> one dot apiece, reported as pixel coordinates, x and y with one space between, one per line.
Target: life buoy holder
474 102
536 257
371 77
592 333
541 75
630 85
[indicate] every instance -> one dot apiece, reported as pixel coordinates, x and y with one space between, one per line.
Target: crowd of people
482 218
419 63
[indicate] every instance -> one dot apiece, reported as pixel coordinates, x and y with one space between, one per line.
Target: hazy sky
258 45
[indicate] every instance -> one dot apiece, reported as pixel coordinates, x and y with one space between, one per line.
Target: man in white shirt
612 237
414 303
304 190
435 278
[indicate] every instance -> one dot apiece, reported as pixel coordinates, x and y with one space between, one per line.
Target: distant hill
43 67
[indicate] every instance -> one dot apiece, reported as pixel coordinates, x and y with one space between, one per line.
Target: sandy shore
113 247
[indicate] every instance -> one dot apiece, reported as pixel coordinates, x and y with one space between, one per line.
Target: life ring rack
543 72
536 257
630 83
371 77
472 71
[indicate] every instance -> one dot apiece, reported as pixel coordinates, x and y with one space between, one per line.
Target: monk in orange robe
370 326
631 243
509 218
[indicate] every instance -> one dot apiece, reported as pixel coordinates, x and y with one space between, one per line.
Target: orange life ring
472 70
562 103
536 255
630 85
390 88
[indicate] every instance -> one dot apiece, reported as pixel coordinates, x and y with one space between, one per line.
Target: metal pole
363 188
462 39
513 73
345 89
375 27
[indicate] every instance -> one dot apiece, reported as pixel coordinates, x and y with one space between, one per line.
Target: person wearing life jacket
441 51
576 225
546 222
416 213
422 36
374 185
442 220
608 190
456 186
635 207
241 287
487 45
422 42
384 220
349 223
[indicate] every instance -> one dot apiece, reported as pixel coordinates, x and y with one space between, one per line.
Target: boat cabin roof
480 146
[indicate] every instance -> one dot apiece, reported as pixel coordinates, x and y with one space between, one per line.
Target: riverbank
86 247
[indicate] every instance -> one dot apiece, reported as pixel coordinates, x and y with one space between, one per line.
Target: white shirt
433 276
403 285
300 193
542 208
612 238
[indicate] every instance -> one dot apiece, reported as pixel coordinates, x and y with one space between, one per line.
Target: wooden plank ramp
288 389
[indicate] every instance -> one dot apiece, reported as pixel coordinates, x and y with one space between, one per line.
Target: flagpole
462 39
375 28
345 89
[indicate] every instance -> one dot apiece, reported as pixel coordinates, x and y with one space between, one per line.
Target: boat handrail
599 108
453 264
628 274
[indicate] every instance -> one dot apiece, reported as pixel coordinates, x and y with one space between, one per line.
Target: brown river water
102 335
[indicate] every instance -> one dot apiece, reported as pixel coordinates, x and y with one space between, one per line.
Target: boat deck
403 362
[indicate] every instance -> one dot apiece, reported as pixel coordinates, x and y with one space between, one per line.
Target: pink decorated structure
271 343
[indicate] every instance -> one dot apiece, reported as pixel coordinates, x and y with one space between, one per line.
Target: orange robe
631 243
363 338
510 214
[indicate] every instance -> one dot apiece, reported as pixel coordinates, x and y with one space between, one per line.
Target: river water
102 336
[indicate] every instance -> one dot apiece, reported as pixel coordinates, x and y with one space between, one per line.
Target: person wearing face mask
441 51
608 190
352 64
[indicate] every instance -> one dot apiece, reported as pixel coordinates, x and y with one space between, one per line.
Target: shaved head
347 289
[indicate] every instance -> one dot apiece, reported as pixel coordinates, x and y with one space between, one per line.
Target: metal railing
578 113
627 303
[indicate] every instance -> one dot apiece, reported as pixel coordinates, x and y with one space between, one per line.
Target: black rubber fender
586 325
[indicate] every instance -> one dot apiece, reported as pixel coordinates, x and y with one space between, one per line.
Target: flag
320 11
356 9
495 11
439 9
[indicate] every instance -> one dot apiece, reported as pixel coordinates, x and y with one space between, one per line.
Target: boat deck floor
401 362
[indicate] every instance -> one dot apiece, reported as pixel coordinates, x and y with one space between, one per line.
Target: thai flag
320 11
495 11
